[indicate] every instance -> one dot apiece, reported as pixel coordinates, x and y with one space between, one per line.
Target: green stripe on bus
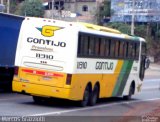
122 78
125 78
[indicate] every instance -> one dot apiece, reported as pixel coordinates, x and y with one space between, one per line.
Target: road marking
94 107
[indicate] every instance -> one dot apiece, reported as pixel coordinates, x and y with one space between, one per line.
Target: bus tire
94 96
86 97
131 92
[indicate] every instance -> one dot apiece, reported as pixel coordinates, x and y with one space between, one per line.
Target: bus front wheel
131 92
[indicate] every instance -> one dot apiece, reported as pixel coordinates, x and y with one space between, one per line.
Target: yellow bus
77 61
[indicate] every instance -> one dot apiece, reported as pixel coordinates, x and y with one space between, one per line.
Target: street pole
59 10
25 8
133 15
8 5
52 8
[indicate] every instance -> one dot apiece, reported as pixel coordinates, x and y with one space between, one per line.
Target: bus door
143 61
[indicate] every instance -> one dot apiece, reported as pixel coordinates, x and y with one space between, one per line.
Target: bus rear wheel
94 96
86 97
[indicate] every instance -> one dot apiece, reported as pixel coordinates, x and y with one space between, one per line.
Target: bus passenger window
86 44
91 47
102 47
117 46
121 50
126 51
97 46
107 47
137 50
79 45
133 51
112 49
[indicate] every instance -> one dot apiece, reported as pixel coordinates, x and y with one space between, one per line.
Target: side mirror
147 63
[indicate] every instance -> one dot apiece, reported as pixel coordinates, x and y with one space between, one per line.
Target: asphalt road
147 102
12 104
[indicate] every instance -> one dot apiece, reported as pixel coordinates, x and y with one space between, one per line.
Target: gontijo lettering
104 66
46 42
48 30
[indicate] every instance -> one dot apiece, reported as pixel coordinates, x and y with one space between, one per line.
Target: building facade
73 10
144 10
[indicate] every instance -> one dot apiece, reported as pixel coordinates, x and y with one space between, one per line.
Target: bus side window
126 51
112 48
86 45
97 46
121 50
134 46
107 47
117 46
129 50
81 45
91 46
102 47
133 51
137 50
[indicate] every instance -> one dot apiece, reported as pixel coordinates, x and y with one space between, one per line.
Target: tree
104 11
33 8
13 6
123 27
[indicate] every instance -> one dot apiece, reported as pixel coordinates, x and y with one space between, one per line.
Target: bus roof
110 30
100 28
87 26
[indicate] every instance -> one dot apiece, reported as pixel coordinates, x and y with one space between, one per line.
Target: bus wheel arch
94 94
86 95
131 91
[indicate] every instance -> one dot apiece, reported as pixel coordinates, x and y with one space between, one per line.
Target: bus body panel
110 84
46 52
40 90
